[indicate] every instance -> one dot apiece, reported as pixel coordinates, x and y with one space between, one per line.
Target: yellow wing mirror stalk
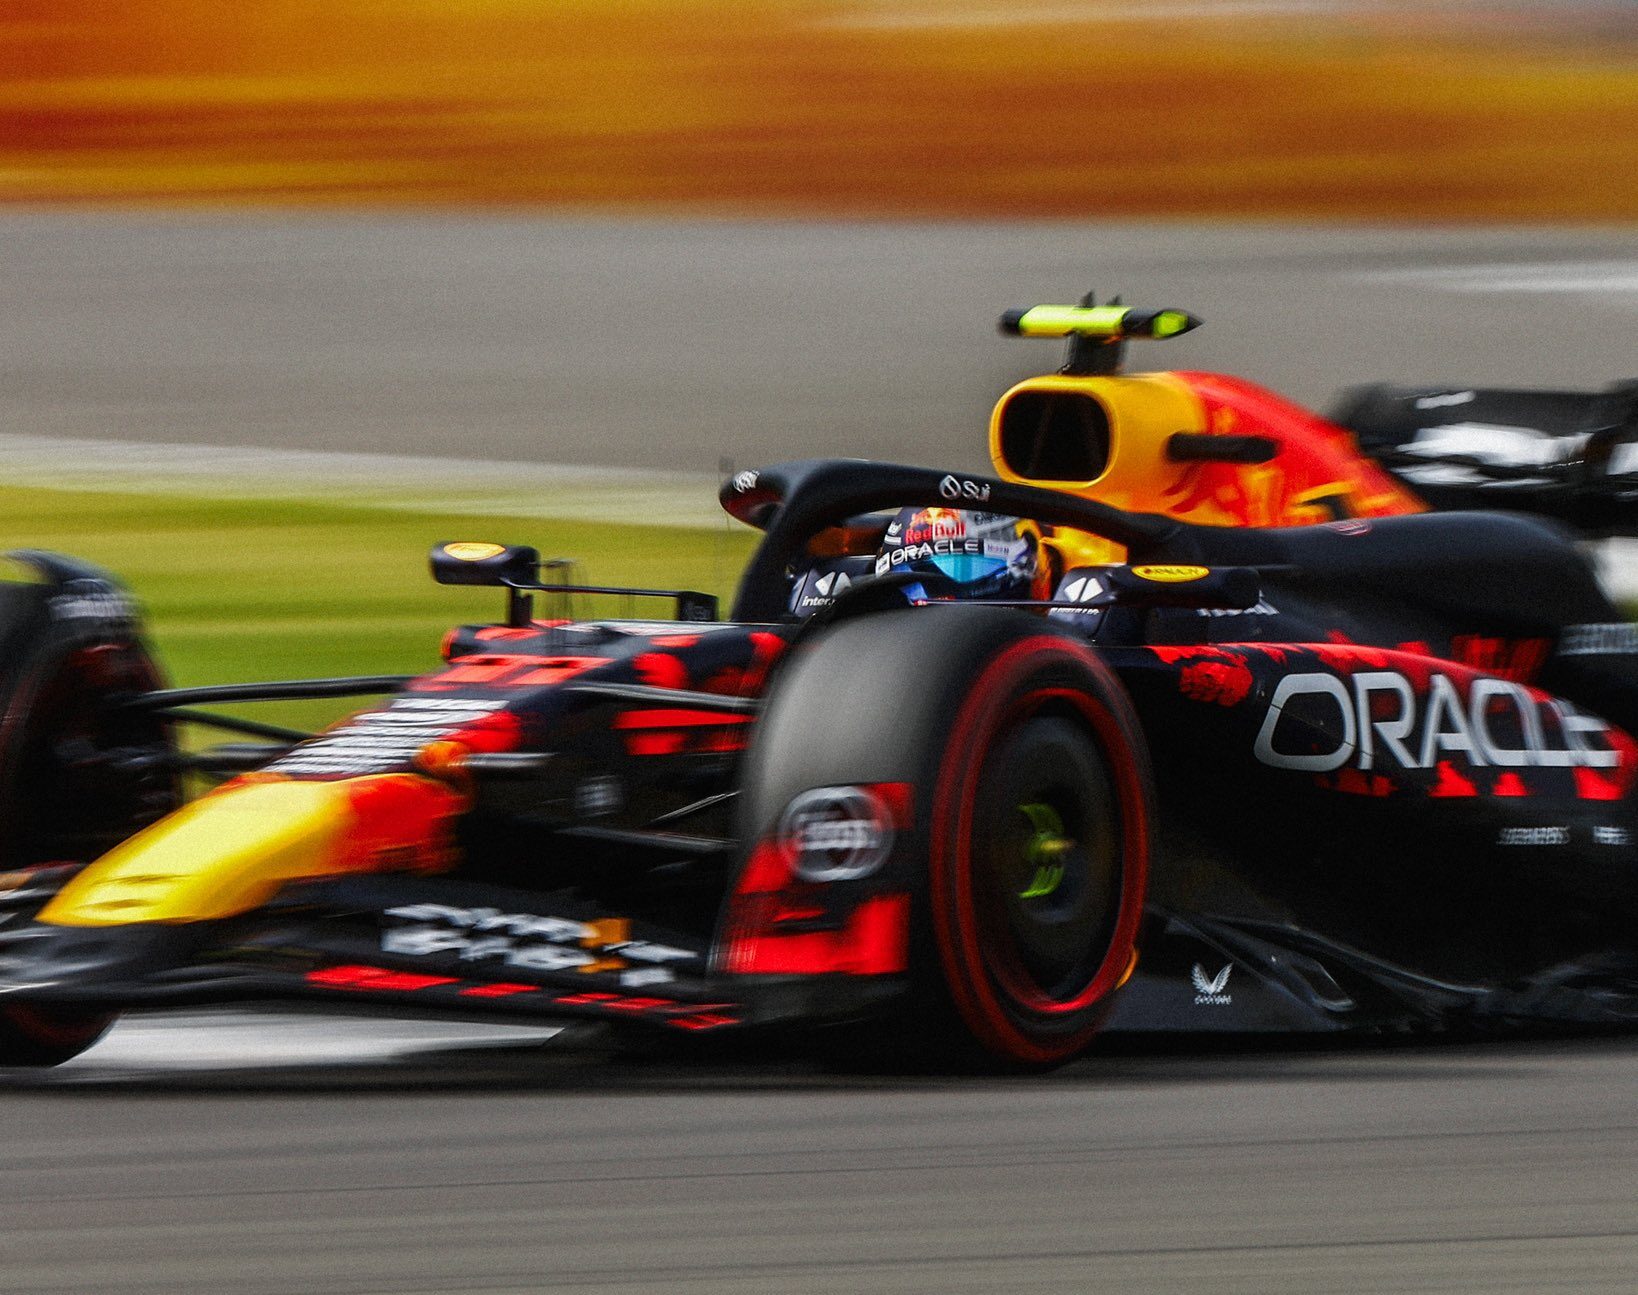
230 851
1107 323
1097 334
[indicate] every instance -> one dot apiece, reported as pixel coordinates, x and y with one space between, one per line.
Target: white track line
422 484
1568 277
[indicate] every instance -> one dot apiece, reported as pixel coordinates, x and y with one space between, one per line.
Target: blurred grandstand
1442 109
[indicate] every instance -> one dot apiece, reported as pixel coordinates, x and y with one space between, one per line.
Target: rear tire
1030 799
79 772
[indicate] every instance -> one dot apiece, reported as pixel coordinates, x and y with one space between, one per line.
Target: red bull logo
935 524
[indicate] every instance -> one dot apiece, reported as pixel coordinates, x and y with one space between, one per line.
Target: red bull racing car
1202 713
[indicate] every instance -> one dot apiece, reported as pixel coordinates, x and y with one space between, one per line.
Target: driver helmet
984 555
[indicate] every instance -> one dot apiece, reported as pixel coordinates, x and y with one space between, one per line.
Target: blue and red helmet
983 555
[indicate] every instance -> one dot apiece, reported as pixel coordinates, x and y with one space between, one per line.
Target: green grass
243 590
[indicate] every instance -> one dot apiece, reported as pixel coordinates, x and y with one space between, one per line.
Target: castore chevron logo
1209 990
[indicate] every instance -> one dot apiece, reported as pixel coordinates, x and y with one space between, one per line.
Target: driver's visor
968 568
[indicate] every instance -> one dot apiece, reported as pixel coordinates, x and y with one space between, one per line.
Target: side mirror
471 562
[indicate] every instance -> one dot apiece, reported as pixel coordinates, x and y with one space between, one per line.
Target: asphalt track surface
156 1164
673 346
227 1152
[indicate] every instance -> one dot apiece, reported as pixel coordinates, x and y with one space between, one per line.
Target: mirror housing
471 562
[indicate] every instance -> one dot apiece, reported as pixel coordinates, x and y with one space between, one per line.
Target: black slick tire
79 772
1030 795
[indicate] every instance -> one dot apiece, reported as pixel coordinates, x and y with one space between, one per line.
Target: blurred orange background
948 108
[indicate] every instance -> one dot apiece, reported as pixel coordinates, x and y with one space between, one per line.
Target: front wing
440 947
405 943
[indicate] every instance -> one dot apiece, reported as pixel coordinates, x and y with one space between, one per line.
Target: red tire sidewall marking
988 708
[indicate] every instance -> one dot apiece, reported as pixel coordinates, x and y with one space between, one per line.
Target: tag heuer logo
952 487
1209 990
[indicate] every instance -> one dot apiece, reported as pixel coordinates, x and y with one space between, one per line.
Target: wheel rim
1045 861
1010 1014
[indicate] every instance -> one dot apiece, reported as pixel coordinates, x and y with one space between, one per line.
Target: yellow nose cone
231 851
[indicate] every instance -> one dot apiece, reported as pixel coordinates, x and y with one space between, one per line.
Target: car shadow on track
592 1062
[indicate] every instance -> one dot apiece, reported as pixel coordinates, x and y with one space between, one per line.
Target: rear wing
1568 455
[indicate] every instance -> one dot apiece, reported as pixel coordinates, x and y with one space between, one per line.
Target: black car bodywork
1377 775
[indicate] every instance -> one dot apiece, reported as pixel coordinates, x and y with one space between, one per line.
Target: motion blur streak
842 107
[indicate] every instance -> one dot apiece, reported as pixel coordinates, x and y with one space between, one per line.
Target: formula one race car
1191 718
